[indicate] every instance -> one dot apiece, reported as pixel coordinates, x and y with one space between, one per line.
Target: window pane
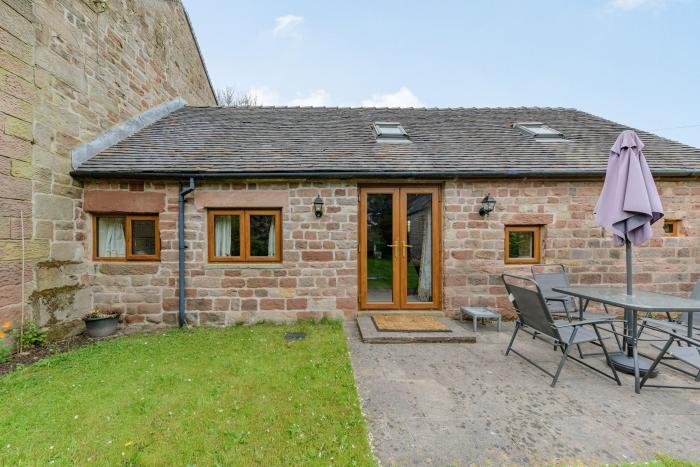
669 227
262 235
111 241
227 235
521 244
143 237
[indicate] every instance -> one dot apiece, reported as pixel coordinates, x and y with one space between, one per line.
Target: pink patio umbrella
629 203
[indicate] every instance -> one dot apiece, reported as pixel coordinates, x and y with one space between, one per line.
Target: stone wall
474 245
319 274
69 71
317 278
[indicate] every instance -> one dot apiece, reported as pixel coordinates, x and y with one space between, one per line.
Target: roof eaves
488 173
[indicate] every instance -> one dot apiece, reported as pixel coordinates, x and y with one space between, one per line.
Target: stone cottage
69 70
220 215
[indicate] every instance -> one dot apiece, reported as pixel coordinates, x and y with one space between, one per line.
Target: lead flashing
122 131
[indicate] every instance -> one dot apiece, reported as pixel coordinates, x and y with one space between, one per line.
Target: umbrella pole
628 312
625 361
628 257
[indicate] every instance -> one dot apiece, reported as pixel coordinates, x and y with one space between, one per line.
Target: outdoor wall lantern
318 206
487 205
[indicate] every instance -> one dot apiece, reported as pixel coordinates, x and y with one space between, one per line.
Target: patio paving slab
447 404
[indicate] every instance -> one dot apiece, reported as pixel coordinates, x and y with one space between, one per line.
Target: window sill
243 266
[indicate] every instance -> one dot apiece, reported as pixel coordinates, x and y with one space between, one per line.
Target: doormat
408 323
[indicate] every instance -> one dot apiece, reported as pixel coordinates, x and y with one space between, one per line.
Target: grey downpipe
181 250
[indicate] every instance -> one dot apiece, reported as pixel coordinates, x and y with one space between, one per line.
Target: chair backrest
529 304
549 276
695 295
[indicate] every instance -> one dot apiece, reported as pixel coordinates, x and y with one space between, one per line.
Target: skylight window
390 132
539 131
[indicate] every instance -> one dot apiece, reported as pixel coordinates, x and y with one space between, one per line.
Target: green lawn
379 274
664 461
239 395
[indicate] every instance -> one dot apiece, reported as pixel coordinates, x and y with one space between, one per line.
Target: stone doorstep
370 335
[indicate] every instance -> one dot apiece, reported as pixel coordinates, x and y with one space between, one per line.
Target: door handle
406 246
395 246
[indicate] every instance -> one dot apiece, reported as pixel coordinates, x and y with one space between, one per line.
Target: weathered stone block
52 207
11 250
128 268
60 68
16 24
21 169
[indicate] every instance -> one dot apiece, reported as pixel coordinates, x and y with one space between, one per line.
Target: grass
663 460
380 270
234 396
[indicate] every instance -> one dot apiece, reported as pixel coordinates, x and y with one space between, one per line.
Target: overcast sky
636 62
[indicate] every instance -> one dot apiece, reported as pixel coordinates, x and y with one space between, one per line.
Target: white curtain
222 235
271 241
111 242
425 279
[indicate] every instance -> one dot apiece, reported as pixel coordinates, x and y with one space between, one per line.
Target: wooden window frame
244 226
675 232
537 238
128 219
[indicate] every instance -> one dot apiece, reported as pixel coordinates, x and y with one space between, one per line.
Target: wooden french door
399 255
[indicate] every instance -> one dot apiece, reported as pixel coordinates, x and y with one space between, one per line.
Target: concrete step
371 335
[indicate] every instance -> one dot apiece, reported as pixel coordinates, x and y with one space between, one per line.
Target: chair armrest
589 322
681 337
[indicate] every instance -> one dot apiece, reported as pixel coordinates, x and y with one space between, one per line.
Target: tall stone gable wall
69 71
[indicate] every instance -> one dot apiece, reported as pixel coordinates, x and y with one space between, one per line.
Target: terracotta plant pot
101 327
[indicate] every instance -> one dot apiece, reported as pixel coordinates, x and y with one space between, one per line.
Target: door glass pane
419 248
380 272
143 237
227 236
262 235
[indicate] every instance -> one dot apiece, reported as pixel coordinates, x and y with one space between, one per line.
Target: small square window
522 244
672 228
126 238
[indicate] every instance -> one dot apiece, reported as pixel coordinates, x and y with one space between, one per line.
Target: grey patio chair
549 276
690 355
535 319
678 325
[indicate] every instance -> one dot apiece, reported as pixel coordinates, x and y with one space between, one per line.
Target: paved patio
462 404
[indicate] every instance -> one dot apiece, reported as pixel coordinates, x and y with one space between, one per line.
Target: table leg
690 324
635 354
637 387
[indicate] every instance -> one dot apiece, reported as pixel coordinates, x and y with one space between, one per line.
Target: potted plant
101 323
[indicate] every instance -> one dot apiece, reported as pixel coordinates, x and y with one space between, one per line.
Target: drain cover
295 336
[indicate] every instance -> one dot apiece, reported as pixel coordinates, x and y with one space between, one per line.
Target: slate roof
337 142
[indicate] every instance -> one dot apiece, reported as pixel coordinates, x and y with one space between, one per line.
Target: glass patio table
640 300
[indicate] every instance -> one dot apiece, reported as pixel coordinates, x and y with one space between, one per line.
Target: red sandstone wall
474 246
319 274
